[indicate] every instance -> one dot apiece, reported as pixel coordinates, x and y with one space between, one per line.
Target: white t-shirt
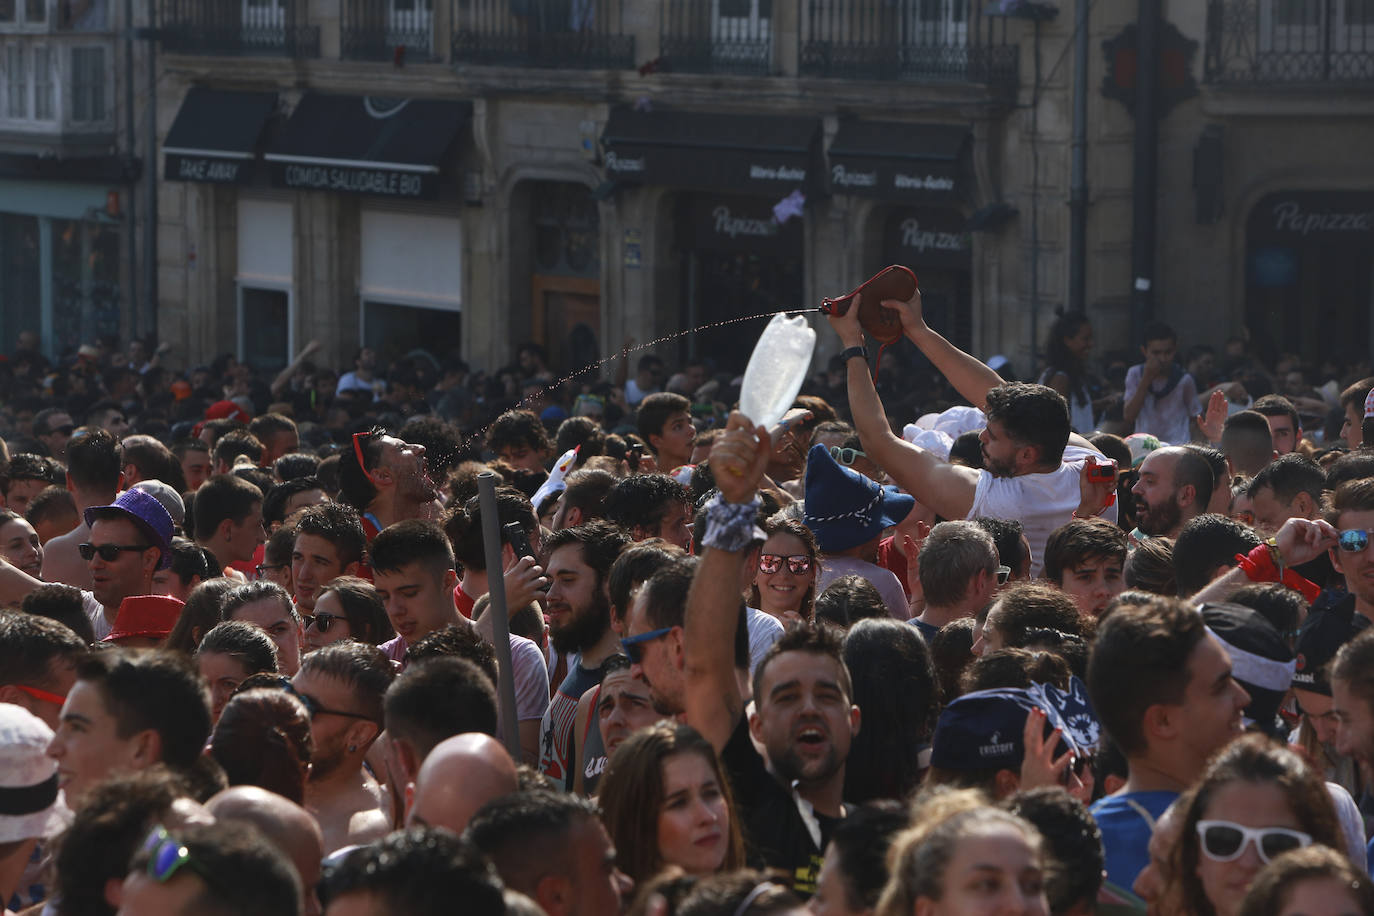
1040 502
1165 418
764 630
96 611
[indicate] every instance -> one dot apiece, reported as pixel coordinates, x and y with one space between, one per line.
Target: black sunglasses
322 622
108 552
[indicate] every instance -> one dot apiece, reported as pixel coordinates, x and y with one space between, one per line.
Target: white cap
31 804
170 498
956 421
932 440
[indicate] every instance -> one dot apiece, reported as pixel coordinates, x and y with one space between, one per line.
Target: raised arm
284 376
713 701
971 377
15 584
948 489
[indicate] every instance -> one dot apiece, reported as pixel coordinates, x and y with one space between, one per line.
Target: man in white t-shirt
1034 469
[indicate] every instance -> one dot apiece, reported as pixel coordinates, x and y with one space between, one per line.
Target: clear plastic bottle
777 368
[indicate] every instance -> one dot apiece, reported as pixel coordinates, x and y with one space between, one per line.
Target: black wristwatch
850 352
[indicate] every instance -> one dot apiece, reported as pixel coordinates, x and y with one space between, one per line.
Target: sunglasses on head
358 438
322 622
1224 841
1354 540
167 856
633 646
108 552
846 456
797 564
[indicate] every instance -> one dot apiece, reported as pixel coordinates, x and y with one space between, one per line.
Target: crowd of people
937 642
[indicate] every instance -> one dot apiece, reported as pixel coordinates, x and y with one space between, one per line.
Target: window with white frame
44 83
16 76
264 278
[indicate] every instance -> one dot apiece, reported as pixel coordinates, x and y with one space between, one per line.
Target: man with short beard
579 615
1174 487
343 686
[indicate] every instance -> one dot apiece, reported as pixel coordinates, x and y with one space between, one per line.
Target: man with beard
343 686
386 479
1034 468
790 796
412 567
578 609
1174 487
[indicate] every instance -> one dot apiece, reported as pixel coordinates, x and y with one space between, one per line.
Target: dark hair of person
739 893
1276 405
665 595
421 871
1282 606
1272 891
263 739
1082 540
267 425
223 497
642 501
517 429
1073 843
235 443
1058 356
218 429
279 546
463 525
1006 534
362 605
1291 474
1033 415
1251 759
1216 460
1246 440
52 504
328 473
361 667
58 603
1150 567
1354 665
848 599
261 590
1351 496
294 466
600 541
655 410
894 685
459 641
243 870
201 613
246 644
1015 668
153 460
1033 605
583 431
528 834
967 450
813 639
438 698
1205 543
275 499
634 566
862 841
632 795
780 524
956 552
93 460
951 652
412 541
153 690
29 466
30 644
586 489
1139 659
114 819
1348 467
1192 469
340 525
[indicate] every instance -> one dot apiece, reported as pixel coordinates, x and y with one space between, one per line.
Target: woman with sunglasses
1255 801
347 608
785 578
665 801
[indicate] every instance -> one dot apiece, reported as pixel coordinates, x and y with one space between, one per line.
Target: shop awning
771 155
915 163
357 144
215 135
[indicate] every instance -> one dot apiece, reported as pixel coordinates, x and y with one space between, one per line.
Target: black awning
215 135
771 154
367 145
917 163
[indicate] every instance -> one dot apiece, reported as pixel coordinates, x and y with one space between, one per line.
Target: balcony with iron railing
572 34
272 28
387 30
926 40
1295 42
717 36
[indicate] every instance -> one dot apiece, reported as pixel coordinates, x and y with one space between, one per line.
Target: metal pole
1145 176
1078 188
149 310
500 614
130 207
1035 214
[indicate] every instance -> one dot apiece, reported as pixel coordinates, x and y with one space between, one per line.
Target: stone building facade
463 175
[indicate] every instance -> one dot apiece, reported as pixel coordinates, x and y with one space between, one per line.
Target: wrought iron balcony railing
575 34
240 27
717 36
1269 42
928 40
387 30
